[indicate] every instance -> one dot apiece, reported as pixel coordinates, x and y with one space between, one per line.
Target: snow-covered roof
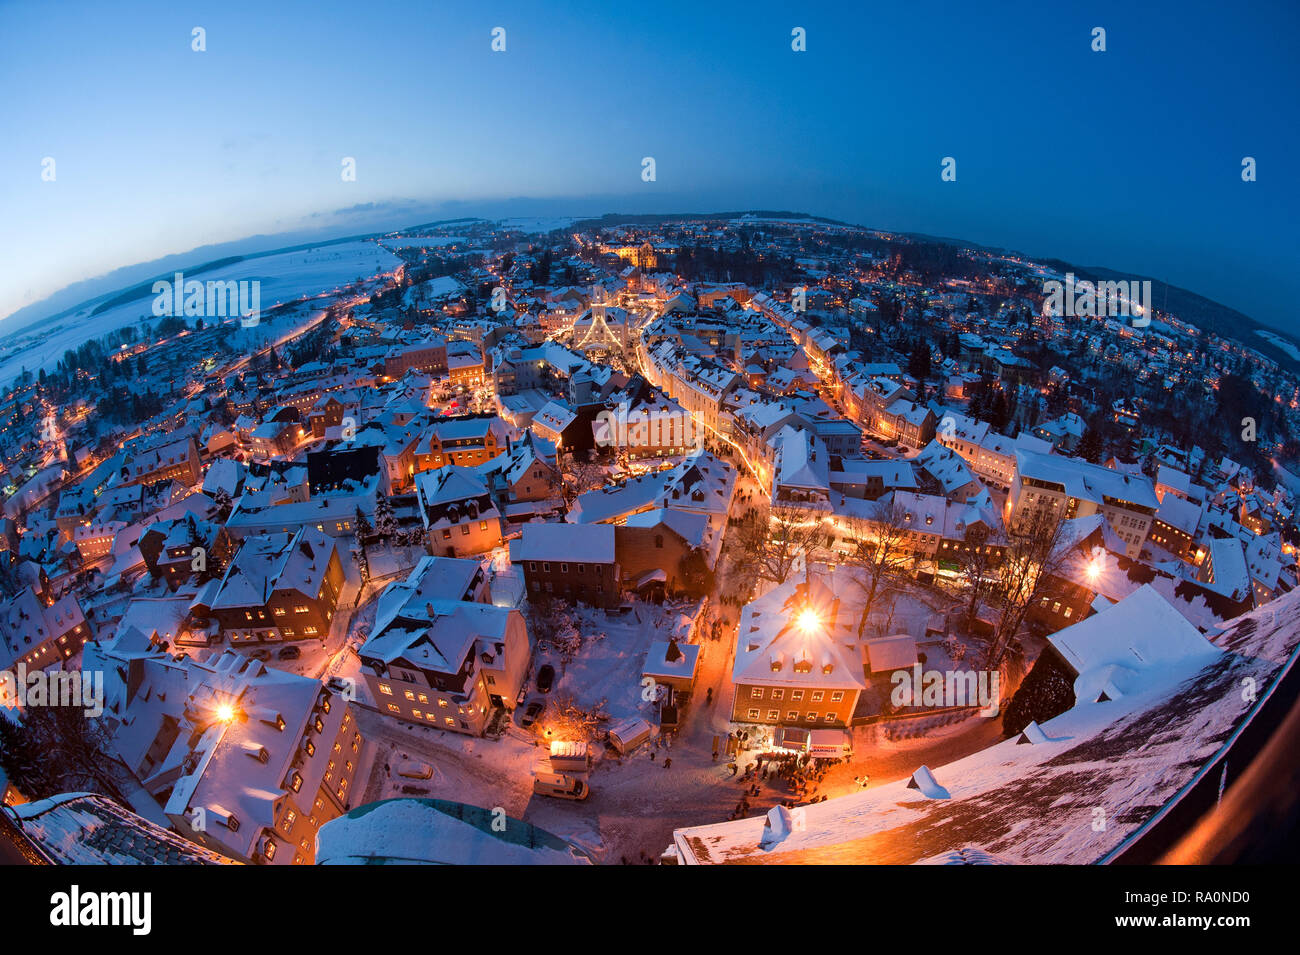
593 543
1088 482
1142 632
90 829
437 832
774 648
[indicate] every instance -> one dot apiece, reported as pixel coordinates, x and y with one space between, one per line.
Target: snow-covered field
538 223
421 241
1280 342
284 277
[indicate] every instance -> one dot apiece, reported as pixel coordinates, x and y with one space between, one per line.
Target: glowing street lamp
808 620
1093 569
225 713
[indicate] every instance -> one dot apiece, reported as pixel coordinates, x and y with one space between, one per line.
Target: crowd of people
801 774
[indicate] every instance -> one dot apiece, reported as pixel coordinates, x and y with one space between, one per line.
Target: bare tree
977 563
1032 556
880 551
775 541
580 474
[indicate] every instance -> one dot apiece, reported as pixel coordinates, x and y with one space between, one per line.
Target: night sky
1129 159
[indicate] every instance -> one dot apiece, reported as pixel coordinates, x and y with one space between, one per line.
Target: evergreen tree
1047 691
385 522
361 527
1090 446
918 363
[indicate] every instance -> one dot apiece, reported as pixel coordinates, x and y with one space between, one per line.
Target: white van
570 756
558 785
629 734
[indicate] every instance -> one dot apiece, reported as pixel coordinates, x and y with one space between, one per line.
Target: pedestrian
668 762
652 756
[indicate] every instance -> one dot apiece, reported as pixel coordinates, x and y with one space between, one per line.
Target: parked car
558 785
546 678
531 713
414 769
260 653
289 653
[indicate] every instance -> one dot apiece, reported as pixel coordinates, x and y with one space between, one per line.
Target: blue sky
1128 159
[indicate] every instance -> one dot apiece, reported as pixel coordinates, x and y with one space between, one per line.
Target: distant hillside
1188 306
616 218
1204 313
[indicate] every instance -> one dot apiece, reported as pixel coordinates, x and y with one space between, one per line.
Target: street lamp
808 620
